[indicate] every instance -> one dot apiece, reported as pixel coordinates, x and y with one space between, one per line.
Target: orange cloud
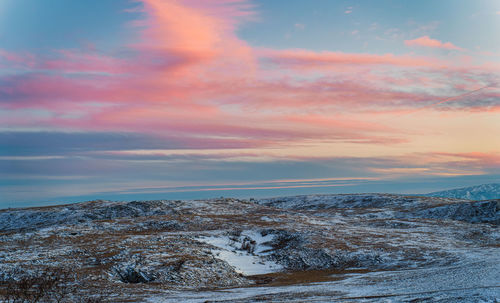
426 41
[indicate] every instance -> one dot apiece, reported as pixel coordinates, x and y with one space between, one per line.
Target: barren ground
349 248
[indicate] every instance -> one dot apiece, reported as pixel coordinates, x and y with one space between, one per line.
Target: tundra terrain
317 248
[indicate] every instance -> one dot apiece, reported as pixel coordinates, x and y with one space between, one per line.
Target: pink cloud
437 163
299 26
21 60
426 41
199 30
305 58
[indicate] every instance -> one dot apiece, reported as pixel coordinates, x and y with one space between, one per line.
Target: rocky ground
321 248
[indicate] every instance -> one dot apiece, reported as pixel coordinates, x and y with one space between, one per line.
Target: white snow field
244 261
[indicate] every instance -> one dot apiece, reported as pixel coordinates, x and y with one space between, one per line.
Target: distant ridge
478 192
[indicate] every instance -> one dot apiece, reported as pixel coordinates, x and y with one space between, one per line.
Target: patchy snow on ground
244 252
475 279
317 248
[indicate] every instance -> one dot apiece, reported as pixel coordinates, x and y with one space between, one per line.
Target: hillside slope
476 193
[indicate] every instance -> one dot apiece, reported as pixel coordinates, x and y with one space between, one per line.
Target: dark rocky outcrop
291 251
134 275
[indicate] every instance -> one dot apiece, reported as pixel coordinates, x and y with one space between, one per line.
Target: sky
171 99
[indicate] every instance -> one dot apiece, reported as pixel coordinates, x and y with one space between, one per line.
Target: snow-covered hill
479 192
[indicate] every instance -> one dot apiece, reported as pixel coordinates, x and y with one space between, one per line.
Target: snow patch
245 252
